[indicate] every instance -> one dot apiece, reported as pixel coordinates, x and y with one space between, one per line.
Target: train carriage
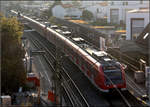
102 70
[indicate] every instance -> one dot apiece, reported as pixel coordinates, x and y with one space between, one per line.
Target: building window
137 26
114 15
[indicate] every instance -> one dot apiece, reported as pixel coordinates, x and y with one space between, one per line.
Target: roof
67 5
104 3
79 21
139 11
120 31
144 37
103 27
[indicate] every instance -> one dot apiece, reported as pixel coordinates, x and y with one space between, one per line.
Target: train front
114 75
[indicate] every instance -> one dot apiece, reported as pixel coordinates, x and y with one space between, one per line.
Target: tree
87 15
12 68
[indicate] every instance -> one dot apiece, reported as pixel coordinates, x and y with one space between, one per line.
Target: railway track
86 87
139 92
75 96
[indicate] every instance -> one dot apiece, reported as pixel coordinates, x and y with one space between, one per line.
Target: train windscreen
113 74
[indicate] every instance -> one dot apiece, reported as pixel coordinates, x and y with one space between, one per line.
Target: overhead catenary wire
126 101
75 97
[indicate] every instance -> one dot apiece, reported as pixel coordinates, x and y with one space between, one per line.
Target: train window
113 67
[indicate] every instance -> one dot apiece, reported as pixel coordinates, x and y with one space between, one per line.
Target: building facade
117 10
136 21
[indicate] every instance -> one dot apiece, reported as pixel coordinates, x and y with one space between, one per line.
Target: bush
87 15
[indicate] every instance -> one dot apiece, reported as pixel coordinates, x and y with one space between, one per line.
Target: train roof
101 56
81 45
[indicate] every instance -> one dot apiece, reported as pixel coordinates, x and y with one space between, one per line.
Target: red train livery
98 66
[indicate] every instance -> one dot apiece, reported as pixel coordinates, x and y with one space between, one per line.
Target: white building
60 11
116 10
136 21
98 8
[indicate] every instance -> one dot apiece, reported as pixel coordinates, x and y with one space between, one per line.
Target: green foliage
87 15
52 20
100 22
103 22
12 68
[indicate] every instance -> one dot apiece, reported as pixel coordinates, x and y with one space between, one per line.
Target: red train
100 68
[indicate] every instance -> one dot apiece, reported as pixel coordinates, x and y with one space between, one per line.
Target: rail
128 105
48 51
